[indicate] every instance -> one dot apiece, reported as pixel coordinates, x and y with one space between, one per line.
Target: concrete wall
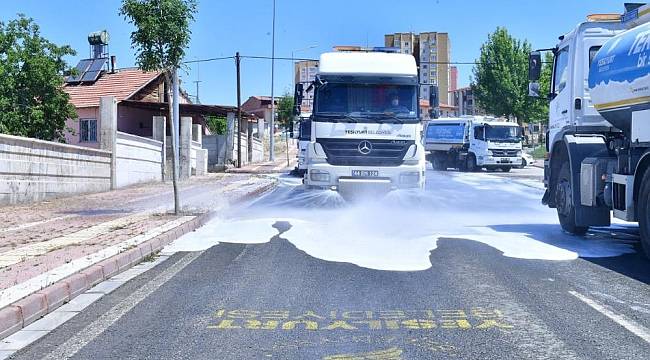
138 160
34 170
216 146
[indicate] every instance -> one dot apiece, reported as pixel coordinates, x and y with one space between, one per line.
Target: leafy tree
217 125
285 110
162 33
32 101
501 78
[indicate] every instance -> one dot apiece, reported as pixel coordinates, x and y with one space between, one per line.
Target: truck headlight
319 175
519 153
411 177
411 162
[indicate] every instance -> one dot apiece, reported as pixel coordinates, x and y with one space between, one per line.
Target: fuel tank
619 77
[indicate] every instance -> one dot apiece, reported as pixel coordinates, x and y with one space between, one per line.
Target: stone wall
34 170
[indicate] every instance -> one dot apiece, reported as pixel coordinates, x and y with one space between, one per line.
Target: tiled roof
121 84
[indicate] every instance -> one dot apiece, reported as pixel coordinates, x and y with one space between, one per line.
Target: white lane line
96 328
633 327
35 223
60 316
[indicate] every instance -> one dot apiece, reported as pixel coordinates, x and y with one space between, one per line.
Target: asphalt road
473 268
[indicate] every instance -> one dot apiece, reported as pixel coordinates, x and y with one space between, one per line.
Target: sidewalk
270 167
43 245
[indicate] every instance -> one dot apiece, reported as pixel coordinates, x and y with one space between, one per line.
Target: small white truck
469 143
365 124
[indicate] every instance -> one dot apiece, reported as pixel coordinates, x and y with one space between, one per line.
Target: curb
23 312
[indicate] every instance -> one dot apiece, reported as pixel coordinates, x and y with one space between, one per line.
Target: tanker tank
619 77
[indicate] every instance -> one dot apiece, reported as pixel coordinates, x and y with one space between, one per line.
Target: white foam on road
400 231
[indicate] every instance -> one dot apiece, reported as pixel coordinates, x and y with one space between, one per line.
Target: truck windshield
367 100
305 130
502 133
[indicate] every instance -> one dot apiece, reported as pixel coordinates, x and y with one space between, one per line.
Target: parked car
526 159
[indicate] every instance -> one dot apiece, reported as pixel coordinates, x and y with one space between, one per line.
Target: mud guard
579 148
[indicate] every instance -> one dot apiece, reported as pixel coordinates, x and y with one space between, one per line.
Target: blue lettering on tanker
446 132
624 58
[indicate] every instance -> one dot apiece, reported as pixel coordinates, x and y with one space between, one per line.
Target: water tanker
599 123
619 77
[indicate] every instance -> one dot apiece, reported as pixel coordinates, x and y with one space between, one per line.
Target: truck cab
473 142
365 124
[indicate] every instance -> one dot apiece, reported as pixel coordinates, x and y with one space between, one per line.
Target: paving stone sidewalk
37 240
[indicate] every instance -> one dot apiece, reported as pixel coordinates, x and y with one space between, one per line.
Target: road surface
474 267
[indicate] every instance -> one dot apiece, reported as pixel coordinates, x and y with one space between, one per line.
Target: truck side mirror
533 89
534 66
434 102
297 99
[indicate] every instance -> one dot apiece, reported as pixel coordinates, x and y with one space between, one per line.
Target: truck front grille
354 152
504 153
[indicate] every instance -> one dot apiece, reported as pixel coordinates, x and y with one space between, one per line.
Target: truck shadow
616 248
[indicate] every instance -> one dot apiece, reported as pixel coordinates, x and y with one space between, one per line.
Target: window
88 130
425 66
592 53
478 133
560 75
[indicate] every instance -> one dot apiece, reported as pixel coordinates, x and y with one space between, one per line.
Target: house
260 106
139 95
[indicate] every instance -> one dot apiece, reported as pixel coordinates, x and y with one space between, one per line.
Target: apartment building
432 54
463 101
304 73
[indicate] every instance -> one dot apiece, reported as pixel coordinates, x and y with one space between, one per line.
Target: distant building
463 101
305 73
260 108
432 54
453 78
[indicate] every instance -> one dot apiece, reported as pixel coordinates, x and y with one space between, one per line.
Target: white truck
365 124
599 123
469 143
302 133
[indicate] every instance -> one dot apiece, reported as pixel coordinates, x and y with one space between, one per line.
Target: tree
32 101
501 78
285 110
217 125
161 36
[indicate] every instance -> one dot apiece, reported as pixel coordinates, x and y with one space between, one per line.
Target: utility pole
272 123
237 62
175 138
198 81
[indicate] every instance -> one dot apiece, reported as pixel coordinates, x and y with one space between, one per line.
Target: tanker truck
365 125
599 123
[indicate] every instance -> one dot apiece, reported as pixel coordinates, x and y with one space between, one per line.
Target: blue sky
224 27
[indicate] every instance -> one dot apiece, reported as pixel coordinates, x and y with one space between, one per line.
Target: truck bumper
498 161
386 179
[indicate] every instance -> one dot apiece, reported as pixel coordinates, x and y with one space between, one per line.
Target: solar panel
95 68
81 69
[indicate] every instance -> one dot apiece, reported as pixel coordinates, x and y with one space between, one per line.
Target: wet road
473 268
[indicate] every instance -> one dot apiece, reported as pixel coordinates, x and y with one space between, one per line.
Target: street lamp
272 123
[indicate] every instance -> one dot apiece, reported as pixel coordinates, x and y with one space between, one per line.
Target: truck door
560 109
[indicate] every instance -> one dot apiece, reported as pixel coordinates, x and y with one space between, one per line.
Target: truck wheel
566 212
643 209
506 168
524 163
471 163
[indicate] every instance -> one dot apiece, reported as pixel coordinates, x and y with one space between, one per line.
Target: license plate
365 173
505 161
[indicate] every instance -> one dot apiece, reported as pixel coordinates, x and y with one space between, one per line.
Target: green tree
162 33
32 101
501 78
285 110
217 125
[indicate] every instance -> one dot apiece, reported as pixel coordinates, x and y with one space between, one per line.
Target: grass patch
539 152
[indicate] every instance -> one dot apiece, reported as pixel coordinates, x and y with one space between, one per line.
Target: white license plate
365 173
